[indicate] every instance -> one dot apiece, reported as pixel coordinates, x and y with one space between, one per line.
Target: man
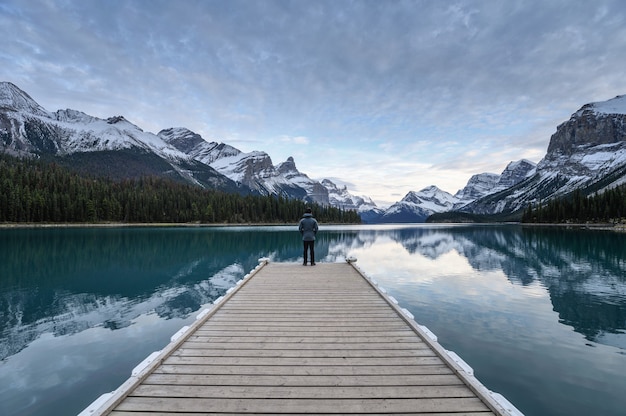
308 229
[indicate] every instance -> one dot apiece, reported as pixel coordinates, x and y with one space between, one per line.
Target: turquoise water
540 314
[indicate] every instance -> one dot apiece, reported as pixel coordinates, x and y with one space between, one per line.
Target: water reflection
584 271
65 281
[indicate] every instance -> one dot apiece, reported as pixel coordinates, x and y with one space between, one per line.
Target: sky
382 96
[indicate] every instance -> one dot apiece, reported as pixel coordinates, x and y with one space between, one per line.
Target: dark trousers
309 246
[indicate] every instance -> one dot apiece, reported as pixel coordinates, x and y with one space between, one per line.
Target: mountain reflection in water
58 283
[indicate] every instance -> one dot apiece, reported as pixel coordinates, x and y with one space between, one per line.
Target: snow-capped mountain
254 169
514 173
417 206
195 146
478 186
14 99
484 184
113 147
587 152
340 197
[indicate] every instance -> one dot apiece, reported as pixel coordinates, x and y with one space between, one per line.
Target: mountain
483 184
14 99
417 206
587 152
340 197
254 169
514 173
478 186
113 147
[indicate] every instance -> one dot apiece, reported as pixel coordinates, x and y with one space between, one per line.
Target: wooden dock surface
303 340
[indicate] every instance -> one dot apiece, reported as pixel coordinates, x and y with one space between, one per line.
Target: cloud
295 140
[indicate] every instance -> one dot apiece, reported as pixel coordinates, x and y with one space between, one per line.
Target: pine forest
607 207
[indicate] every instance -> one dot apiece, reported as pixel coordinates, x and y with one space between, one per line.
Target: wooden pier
303 340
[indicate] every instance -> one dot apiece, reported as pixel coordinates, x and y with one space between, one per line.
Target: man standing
308 229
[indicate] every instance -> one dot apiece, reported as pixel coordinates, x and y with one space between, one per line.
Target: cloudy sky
384 96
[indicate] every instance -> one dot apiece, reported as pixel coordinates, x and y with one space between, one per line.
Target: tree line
36 191
610 206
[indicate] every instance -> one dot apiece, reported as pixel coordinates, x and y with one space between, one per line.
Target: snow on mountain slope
13 98
342 198
195 146
514 173
69 131
113 147
289 174
478 186
615 105
417 206
485 184
84 133
254 169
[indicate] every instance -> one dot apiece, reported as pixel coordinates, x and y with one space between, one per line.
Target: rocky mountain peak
74 116
288 166
615 105
181 138
11 97
515 172
339 196
594 124
478 186
330 185
430 195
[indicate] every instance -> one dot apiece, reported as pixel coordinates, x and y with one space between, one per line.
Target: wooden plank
329 325
302 392
304 406
295 352
304 346
242 345
308 333
304 340
312 371
304 361
303 380
209 413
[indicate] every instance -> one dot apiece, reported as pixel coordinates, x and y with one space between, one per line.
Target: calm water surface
540 314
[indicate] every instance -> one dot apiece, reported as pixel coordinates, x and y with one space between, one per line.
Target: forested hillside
610 206
36 191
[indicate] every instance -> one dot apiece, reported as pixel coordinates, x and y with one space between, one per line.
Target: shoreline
150 224
587 226
130 225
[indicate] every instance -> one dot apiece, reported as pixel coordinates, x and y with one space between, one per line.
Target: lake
539 313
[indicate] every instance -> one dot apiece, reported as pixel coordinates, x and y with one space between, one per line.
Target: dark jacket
308 227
